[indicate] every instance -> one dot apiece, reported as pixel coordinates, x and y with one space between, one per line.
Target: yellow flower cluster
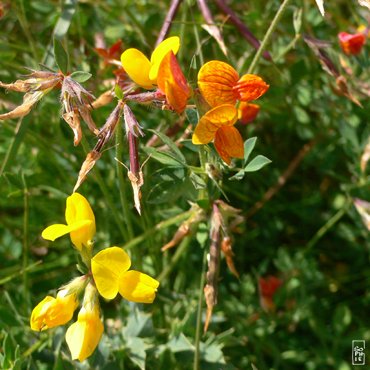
108 275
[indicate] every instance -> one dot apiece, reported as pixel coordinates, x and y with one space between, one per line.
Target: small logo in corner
358 352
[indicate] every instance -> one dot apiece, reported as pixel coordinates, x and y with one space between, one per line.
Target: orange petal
223 115
250 87
247 112
172 82
229 143
216 81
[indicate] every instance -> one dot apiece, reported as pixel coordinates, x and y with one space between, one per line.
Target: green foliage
295 190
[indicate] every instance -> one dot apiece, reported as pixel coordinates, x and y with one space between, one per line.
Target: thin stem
199 314
25 253
179 251
99 179
268 35
162 225
122 183
327 226
171 14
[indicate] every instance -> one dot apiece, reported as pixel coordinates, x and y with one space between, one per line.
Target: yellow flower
84 335
110 271
80 223
143 71
218 125
51 312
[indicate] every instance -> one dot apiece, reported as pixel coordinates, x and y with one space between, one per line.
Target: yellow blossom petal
137 287
229 143
53 232
51 312
167 45
106 267
78 209
223 115
83 336
216 81
137 66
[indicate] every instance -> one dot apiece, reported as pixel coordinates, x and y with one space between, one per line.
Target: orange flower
217 124
219 84
267 288
172 82
248 112
351 44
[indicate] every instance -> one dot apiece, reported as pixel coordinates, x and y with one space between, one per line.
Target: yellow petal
137 287
83 336
223 115
55 231
167 45
216 81
229 143
250 87
52 312
78 209
106 267
137 66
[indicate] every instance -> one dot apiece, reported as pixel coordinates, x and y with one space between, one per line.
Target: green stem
99 179
179 251
199 314
25 252
327 226
162 225
268 34
122 183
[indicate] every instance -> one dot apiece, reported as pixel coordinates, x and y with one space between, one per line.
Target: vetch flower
219 83
52 312
143 71
80 223
110 271
351 44
84 335
217 124
172 82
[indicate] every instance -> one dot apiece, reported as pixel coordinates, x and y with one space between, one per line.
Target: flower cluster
222 88
108 274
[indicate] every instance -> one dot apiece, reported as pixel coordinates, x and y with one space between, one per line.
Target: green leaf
192 115
80 76
173 147
136 351
248 147
163 157
257 163
118 92
61 56
297 20
197 181
180 343
238 176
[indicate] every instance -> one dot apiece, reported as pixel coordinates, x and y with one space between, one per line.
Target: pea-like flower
247 112
351 44
218 125
84 335
219 83
110 269
80 223
52 312
143 71
172 82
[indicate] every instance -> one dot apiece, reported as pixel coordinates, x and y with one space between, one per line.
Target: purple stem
168 21
243 29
